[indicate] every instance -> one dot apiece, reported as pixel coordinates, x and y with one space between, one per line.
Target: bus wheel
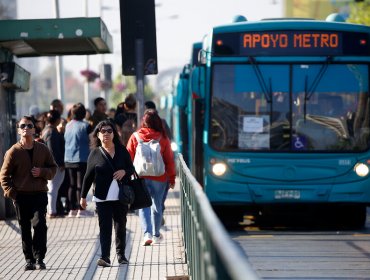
229 216
351 216
356 216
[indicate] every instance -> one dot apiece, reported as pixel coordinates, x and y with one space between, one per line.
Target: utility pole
103 91
87 85
59 62
139 61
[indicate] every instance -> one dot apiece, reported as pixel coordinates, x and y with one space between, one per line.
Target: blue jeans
165 196
151 217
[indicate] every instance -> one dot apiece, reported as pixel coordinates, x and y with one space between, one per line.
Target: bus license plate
287 194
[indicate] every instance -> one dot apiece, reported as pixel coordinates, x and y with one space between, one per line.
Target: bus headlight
173 146
219 169
361 169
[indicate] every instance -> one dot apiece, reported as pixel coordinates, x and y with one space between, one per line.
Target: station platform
74 248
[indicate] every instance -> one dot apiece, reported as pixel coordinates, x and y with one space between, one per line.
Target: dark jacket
16 176
97 117
55 142
100 171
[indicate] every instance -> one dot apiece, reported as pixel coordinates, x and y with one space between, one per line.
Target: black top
55 142
121 118
100 171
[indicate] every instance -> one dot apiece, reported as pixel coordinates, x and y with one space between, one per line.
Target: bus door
197 141
197 120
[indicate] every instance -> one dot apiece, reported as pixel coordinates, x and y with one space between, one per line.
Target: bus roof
288 37
289 24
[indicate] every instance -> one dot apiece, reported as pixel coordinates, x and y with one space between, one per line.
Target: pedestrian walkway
73 249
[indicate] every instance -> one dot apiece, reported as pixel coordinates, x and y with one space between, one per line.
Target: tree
360 12
7 10
123 85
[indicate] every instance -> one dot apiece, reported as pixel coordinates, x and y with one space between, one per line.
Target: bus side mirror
202 57
197 82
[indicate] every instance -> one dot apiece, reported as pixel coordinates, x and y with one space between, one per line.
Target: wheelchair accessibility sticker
299 143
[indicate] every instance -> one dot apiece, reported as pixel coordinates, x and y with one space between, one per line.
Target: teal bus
183 109
278 115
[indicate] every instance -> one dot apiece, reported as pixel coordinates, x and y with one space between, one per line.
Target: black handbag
142 195
126 194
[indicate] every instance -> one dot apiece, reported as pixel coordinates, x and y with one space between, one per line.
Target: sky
179 24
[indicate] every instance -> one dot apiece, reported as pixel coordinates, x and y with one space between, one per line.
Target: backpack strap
137 137
141 140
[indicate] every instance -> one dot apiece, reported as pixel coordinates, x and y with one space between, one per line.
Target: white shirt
112 193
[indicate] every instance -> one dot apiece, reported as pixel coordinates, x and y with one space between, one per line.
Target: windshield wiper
267 91
309 92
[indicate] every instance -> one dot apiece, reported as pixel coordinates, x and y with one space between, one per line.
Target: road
306 252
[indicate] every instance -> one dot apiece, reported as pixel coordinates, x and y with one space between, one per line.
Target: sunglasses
23 126
103 130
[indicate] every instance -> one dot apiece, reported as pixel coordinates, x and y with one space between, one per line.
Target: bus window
258 107
248 112
328 118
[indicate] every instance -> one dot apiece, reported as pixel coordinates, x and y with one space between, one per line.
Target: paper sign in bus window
253 124
254 132
254 141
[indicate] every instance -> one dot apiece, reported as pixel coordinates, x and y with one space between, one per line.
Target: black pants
109 212
76 175
31 211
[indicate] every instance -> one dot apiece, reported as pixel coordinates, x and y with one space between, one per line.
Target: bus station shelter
33 38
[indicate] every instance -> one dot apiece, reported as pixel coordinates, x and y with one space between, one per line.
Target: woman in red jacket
151 218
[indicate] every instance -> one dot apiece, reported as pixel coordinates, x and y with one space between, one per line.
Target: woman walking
55 142
151 218
76 152
114 164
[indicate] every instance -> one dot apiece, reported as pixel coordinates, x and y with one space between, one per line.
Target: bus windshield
290 107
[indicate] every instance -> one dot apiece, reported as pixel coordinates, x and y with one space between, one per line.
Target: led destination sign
294 42
287 43
291 40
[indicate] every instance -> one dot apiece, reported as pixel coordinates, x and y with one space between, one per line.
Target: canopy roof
51 37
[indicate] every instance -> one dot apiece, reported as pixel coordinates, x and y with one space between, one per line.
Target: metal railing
210 252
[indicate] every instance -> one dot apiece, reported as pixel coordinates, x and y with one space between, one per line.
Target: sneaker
157 239
40 264
72 213
104 262
81 214
122 259
147 239
30 266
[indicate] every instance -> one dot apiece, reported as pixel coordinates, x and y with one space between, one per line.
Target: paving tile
73 249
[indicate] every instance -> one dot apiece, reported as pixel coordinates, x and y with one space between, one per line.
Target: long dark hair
52 117
152 120
95 141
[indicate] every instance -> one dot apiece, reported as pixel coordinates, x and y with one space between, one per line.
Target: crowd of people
57 160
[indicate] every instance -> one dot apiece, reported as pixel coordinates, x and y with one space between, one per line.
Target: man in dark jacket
99 112
26 168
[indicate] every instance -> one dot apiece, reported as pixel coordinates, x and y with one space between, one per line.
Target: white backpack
148 159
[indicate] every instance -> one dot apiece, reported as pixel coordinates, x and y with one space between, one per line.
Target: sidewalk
73 249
